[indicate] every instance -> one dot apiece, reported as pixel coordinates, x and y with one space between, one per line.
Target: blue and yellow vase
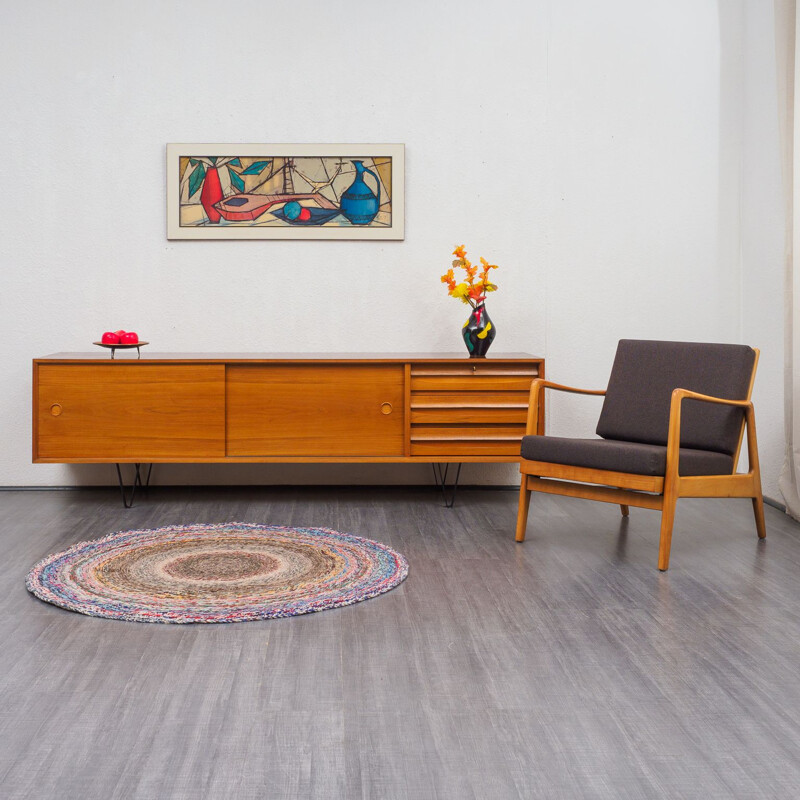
478 332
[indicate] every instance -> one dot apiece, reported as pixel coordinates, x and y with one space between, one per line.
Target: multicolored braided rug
232 572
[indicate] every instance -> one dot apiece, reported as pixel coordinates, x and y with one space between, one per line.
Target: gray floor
567 667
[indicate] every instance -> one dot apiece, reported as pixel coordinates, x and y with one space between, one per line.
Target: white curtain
786 38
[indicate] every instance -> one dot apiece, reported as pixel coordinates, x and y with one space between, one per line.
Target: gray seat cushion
636 406
641 459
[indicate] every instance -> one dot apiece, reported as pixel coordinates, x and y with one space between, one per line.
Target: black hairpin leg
138 350
440 476
127 500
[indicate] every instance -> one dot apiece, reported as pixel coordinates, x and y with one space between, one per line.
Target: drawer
469 407
475 368
474 375
471 383
468 416
478 399
442 433
455 448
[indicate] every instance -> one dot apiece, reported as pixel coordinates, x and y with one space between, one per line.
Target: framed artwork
285 191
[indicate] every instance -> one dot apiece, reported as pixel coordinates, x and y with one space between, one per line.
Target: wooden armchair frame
644 491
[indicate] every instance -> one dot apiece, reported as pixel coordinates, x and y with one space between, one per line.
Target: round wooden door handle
386 408
56 409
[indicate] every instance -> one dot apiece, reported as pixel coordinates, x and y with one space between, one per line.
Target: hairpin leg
440 477
127 500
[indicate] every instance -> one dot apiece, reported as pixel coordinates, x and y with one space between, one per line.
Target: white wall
593 150
762 234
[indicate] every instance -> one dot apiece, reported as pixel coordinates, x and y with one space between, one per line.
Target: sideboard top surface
225 358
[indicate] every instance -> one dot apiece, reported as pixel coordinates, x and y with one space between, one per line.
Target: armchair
672 425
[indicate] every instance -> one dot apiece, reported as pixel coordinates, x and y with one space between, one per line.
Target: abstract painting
282 191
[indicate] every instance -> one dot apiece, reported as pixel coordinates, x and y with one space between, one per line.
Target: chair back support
644 375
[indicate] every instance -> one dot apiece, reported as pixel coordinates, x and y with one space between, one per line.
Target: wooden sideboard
243 407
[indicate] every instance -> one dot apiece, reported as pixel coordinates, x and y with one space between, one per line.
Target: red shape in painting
305 214
211 194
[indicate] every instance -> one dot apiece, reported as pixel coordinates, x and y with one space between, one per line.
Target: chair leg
758 510
667 521
625 510
755 469
522 513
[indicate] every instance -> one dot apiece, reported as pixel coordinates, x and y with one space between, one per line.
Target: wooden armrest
540 383
681 394
537 387
674 433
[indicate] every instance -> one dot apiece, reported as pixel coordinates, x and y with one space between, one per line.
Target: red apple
110 338
119 332
129 338
304 215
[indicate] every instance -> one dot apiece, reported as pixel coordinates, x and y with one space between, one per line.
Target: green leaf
196 179
236 180
213 159
193 161
236 162
255 168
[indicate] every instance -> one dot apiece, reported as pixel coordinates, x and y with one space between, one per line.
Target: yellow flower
461 292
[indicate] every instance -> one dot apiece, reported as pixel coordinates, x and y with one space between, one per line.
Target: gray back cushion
636 406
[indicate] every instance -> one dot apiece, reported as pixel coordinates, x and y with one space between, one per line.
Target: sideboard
243 407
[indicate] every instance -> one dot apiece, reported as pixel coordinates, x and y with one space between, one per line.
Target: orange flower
470 291
476 293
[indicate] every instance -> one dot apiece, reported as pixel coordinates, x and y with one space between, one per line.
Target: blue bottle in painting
359 203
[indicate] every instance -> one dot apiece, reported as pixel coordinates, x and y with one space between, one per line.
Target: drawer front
315 410
465 433
454 448
468 416
469 409
472 408
129 411
470 383
477 368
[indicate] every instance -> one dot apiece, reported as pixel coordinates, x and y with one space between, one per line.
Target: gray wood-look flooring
565 667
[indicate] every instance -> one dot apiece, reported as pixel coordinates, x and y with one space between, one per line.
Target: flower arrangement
473 290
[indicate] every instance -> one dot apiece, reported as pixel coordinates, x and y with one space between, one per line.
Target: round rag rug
232 572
